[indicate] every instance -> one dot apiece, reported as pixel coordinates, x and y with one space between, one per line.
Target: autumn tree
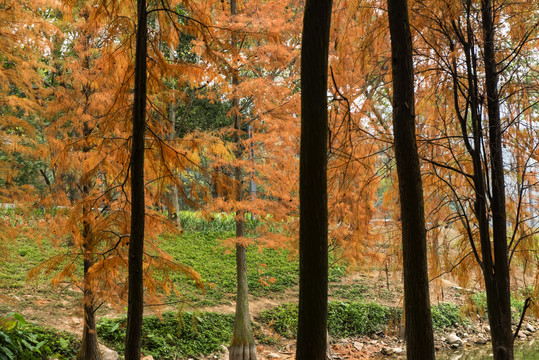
467 151
313 246
24 37
252 69
419 335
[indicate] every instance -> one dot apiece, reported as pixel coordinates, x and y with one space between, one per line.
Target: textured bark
313 232
89 345
242 346
499 296
418 323
136 241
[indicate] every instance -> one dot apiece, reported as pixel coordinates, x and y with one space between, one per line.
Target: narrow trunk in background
418 322
242 345
499 298
89 349
313 219
136 241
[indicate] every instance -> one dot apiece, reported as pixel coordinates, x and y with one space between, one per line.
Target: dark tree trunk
499 296
313 228
418 323
136 241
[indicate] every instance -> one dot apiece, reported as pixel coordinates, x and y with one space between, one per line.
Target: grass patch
268 270
174 335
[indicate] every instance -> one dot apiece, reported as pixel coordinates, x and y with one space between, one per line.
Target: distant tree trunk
313 228
89 345
497 279
418 322
173 200
242 345
136 241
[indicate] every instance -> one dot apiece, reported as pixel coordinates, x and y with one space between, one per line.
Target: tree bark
499 296
136 241
418 323
313 232
89 344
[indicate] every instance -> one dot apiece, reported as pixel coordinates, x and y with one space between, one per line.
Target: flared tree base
242 352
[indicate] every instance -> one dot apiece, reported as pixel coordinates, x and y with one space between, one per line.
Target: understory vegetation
358 307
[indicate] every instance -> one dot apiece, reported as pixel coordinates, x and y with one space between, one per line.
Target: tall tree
418 322
313 226
477 66
242 345
136 240
496 273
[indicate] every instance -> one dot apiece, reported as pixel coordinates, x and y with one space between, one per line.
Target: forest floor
60 307
61 310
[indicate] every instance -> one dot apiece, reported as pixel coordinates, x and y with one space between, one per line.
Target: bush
348 319
345 319
172 336
445 315
20 340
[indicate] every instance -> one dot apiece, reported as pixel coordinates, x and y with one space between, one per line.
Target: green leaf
19 318
115 327
7 352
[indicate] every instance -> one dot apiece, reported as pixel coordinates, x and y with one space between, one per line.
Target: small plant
445 315
476 304
21 341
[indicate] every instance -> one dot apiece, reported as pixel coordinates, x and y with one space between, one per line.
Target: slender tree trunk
499 300
136 241
418 326
173 197
242 345
89 345
313 228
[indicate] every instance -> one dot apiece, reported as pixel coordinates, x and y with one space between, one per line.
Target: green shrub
283 319
477 304
20 340
445 315
173 336
345 319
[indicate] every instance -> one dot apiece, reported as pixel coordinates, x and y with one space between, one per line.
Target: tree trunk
313 232
499 296
136 241
173 200
242 345
89 345
418 323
